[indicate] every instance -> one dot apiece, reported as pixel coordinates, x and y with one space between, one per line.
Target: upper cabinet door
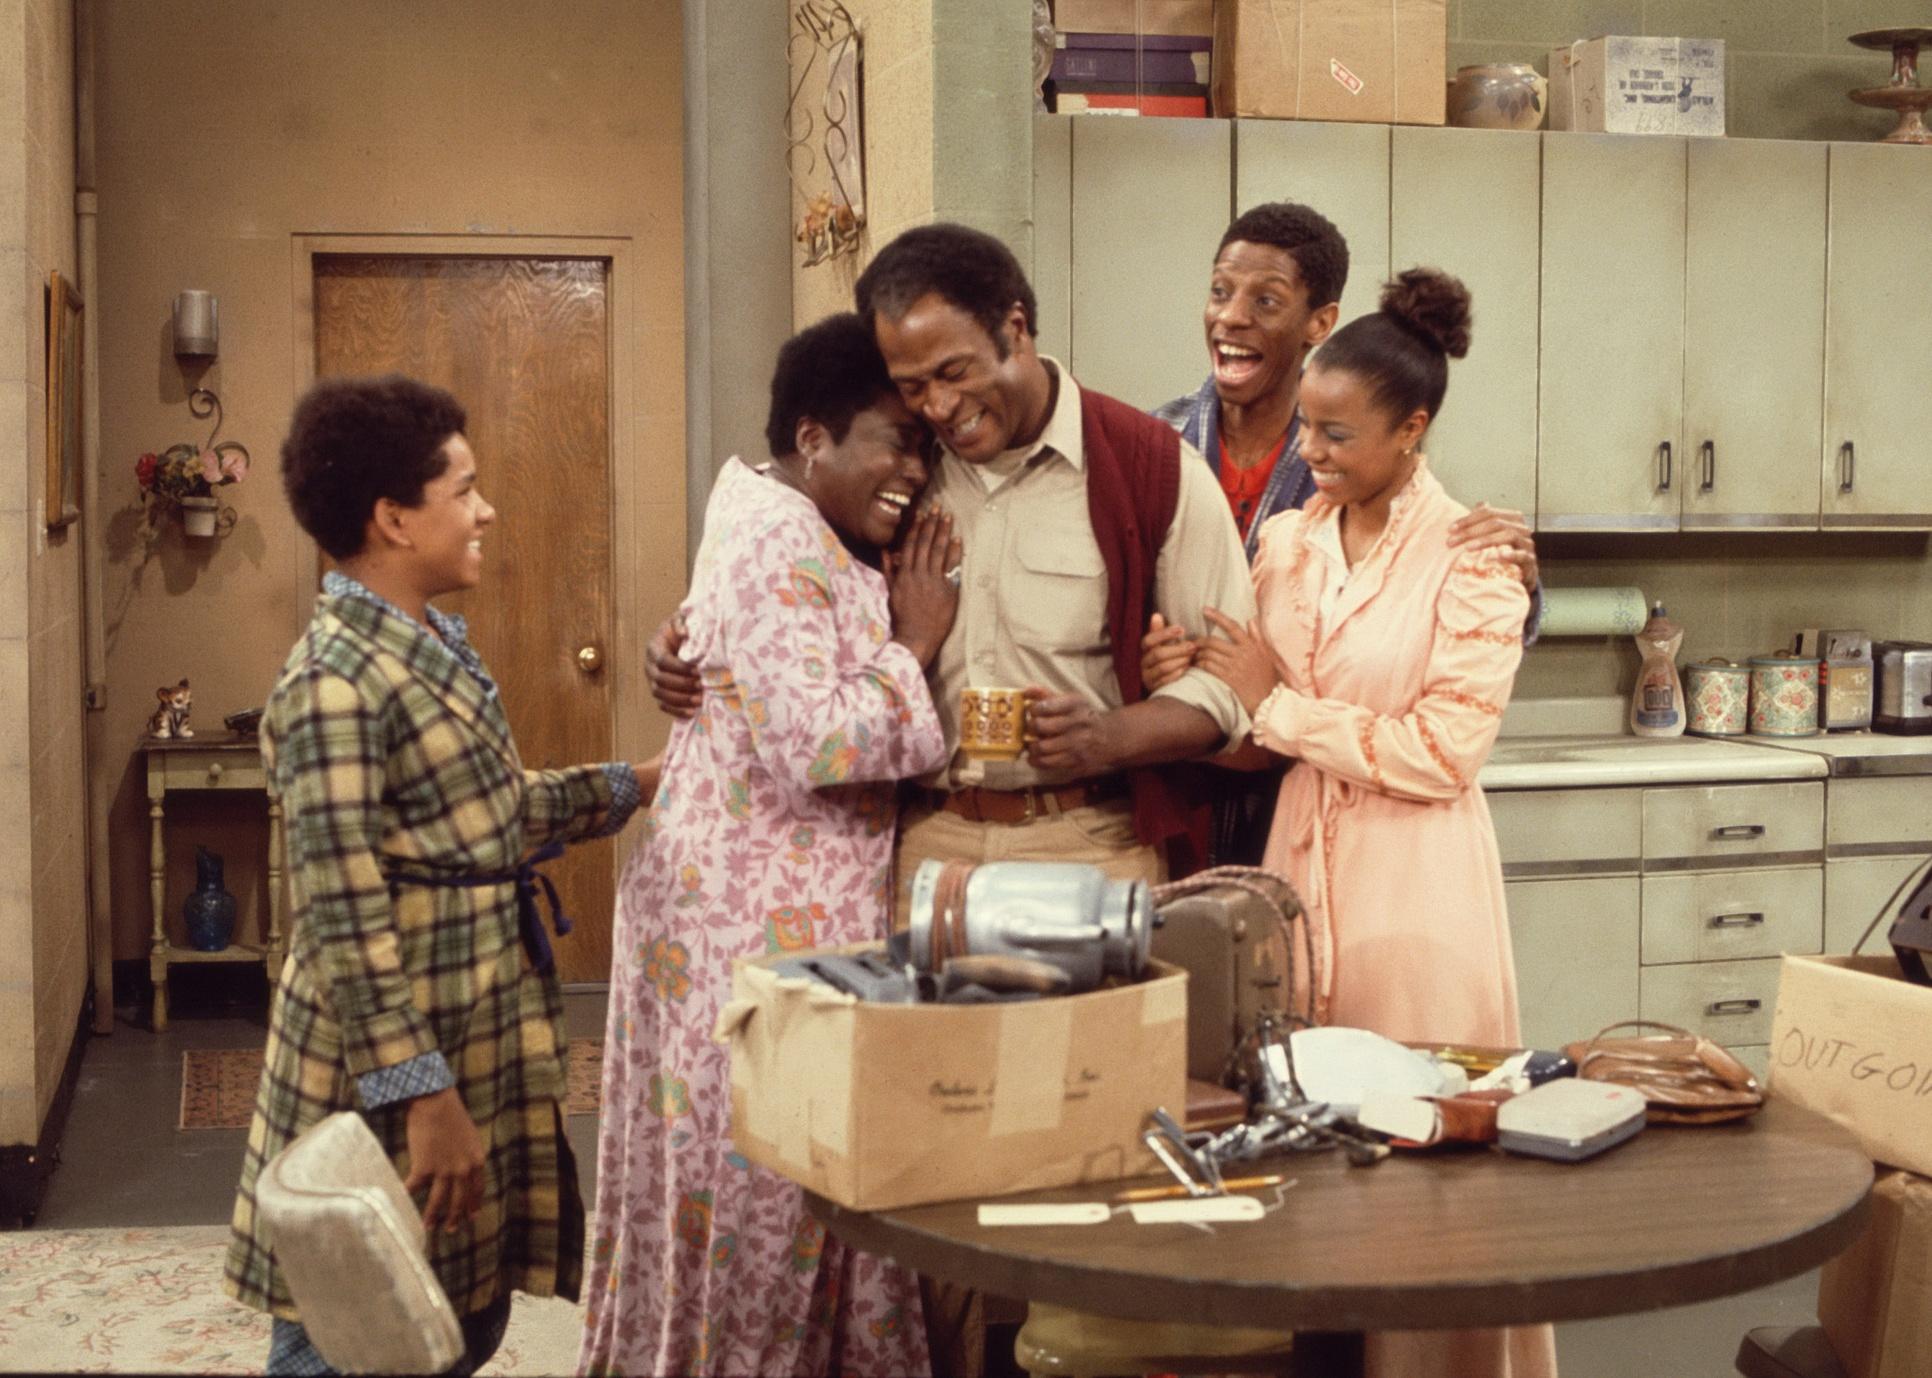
1610 406
1052 270
1150 201
1484 446
1878 318
1341 170
1754 319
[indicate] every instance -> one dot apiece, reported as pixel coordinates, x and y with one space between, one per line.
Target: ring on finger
954 575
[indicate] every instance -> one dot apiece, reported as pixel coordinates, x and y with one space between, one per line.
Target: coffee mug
992 723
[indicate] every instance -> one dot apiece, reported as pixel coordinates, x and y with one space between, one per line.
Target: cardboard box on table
1875 1299
1366 61
1639 85
1163 17
1852 1040
877 1106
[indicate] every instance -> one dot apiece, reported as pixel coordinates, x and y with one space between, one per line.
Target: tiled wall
1787 64
43 918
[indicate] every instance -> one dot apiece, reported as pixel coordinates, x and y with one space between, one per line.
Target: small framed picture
64 328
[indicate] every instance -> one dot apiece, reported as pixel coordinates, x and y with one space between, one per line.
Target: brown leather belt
1024 805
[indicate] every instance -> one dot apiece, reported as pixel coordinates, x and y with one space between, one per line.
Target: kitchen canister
1719 695
1784 696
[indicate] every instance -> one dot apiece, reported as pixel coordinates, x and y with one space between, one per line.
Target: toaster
1903 701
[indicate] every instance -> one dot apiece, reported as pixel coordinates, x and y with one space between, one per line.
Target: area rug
150 1301
218 1085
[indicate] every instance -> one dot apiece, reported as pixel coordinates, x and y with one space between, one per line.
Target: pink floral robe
1395 686
772 831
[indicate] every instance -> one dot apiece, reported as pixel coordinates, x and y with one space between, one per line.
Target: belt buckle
1030 795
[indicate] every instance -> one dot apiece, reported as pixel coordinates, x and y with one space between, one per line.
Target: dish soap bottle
1657 704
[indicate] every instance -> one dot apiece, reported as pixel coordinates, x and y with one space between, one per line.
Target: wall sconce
197 326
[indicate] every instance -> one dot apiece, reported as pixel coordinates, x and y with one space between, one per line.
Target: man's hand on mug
1067 733
675 683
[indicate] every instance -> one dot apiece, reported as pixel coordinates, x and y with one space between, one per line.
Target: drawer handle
214 770
1740 1006
1750 920
1735 831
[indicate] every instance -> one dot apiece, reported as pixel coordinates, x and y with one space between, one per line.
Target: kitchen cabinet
1611 376
1150 203
1670 903
1878 409
1342 170
1483 447
1754 321
1052 270
1877 832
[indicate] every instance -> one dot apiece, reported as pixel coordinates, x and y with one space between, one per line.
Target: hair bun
1434 305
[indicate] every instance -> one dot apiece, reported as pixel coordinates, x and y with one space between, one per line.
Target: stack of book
1132 57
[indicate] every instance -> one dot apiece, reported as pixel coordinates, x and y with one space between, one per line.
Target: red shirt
1244 487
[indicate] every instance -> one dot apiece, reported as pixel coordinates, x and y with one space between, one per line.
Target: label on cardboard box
1639 85
1852 1040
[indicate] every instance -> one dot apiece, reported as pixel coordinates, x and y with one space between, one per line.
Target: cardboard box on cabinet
1639 85
1363 61
877 1106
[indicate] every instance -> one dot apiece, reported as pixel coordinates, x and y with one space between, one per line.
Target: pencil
1169 1193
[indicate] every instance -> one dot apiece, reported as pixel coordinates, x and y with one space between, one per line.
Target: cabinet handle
1847 467
214 770
1741 1006
1732 832
1750 920
1707 454
1663 467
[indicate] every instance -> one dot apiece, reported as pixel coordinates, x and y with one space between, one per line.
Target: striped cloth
389 750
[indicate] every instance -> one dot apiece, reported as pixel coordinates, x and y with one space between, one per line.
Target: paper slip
1064 1213
1207 1210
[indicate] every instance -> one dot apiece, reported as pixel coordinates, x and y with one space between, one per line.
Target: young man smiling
1273 296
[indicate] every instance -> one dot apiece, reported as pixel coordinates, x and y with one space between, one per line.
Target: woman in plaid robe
417 990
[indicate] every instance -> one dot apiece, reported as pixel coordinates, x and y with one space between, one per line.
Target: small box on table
876 1106
1639 85
1852 1040
1363 61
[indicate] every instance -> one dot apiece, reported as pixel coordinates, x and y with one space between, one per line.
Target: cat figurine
171 718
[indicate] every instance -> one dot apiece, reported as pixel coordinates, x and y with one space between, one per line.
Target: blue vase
210 910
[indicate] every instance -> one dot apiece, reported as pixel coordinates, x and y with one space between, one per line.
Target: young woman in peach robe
1380 662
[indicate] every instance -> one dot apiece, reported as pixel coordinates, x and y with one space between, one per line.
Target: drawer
1716 916
1704 827
1859 890
1886 816
232 770
1568 832
1730 1002
1756 1056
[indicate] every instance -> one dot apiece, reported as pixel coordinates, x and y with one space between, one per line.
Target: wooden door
1484 447
1611 387
1754 315
1878 409
524 344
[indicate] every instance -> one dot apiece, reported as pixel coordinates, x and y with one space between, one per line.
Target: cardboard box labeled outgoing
876 1106
1852 1040
1366 61
1872 1298
1135 16
1617 85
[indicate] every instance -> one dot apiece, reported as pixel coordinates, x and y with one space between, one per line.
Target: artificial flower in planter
186 477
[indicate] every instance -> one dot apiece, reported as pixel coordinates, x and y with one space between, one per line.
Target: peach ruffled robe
1395 675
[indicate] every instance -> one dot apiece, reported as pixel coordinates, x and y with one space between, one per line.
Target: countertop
1570 761
1858 753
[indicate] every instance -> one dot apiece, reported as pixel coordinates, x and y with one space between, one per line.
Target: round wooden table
1432 1241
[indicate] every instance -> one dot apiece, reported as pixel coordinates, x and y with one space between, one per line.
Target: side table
212 763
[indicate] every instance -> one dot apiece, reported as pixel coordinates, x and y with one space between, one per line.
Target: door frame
630 708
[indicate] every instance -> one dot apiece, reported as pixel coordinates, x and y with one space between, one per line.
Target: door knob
590 659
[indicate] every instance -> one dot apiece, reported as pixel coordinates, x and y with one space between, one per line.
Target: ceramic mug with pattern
992 723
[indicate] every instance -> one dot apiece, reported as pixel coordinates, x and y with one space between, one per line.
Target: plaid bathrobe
392 756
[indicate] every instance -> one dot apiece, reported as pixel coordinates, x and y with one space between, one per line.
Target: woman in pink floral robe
772 831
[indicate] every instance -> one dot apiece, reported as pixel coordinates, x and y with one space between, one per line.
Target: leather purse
349 1242
1684 1077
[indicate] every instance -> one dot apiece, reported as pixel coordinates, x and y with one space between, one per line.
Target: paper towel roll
1613 611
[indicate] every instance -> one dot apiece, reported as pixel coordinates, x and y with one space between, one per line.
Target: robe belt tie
529 882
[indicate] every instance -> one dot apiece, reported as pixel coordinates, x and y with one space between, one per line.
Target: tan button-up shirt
1033 591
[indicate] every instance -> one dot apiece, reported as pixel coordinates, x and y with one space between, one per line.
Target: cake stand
1904 95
